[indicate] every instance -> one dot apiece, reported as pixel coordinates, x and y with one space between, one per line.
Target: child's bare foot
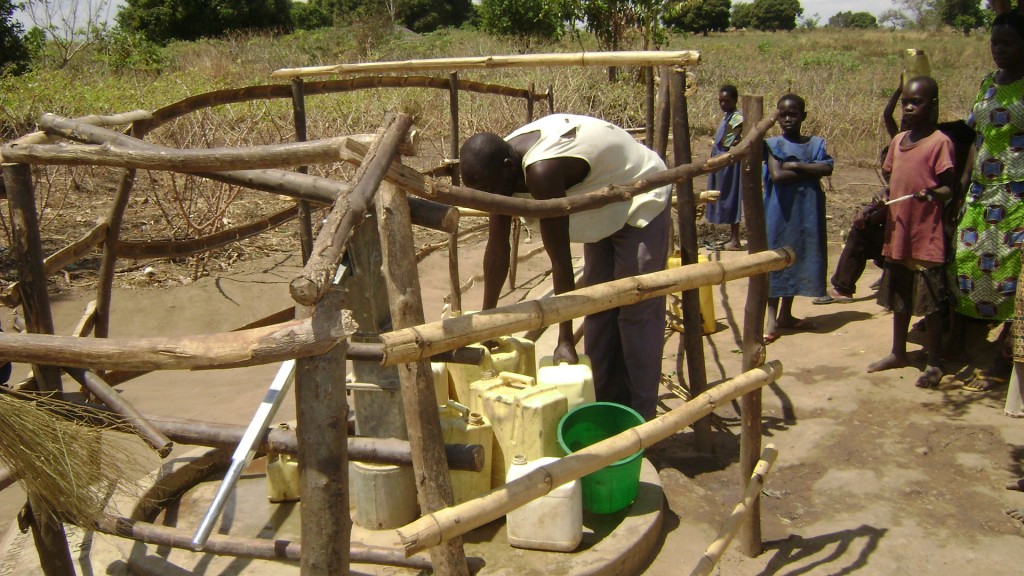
732 246
1017 485
1015 513
929 378
890 362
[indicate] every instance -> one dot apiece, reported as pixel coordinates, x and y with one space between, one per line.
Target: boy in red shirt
919 165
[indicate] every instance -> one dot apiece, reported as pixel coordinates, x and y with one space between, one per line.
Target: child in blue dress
726 210
794 207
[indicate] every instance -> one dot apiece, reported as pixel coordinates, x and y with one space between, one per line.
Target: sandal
770 337
983 383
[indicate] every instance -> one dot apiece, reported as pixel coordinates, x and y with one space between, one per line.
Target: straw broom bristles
72 460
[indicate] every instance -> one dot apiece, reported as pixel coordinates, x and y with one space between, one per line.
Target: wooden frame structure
315 334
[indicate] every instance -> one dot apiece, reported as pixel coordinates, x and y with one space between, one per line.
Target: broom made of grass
72 460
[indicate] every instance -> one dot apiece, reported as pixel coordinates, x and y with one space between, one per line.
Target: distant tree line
528 21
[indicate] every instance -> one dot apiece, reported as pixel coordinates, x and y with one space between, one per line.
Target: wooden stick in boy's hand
900 199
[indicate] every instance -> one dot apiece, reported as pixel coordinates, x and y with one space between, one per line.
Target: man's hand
565 352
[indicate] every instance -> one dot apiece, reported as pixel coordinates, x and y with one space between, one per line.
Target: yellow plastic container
707 300
553 521
524 418
460 426
576 381
915 63
282 476
510 355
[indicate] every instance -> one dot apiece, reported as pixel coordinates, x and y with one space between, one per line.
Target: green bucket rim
640 420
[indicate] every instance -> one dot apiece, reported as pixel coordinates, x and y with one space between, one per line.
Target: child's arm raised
890 108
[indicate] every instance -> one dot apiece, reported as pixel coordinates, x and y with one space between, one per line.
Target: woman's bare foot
1017 485
794 323
890 362
929 378
1015 513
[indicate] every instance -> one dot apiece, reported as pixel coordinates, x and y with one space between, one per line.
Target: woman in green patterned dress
990 232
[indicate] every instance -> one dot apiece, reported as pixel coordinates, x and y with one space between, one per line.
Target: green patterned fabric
991 227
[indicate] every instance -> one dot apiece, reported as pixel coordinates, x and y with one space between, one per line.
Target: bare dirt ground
874 475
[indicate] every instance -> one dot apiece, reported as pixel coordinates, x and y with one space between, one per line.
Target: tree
853 20
13 53
429 15
523 20
772 15
70 26
742 15
921 13
962 15
701 16
894 19
165 20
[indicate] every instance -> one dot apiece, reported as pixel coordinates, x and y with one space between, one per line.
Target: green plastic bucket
614 487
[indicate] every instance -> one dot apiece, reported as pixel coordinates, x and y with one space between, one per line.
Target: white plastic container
282 476
576 381
524 418
460 426
553 521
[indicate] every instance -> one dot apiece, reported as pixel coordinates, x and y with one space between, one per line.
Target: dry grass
70 469
845 76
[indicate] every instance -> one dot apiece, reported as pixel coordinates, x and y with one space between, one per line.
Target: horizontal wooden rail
373 450
284 341
443 525
282 91
420 342
93 120
634 58
179 160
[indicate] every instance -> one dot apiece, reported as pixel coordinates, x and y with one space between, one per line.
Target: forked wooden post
753 320
321 409
47 532
299 118
693 332
432 480
453 139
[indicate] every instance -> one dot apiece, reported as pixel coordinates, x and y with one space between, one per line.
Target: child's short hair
730 90
799 101
1014 19
928 82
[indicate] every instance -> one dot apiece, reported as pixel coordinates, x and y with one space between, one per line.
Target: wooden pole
47 532
319 271
453 138
453 273
105 283
417 343
259 548
664 113
551 99
693 334
649 107
739 514
322 414
529 104
753 321
178 160
628 58
374 450
70 254
452 522
299 119
100 389
432 479
28 250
